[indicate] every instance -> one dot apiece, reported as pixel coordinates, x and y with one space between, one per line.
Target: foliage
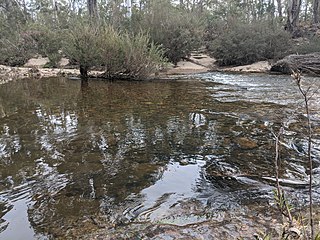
247 43
229 28
121 55
48 41
15 50
82 45
176 30
310 46
139 57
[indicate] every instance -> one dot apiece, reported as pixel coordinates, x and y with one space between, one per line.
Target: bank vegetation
135 39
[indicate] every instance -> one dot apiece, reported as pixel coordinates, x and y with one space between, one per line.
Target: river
190 158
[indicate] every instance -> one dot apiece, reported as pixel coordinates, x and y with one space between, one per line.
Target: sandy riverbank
197 63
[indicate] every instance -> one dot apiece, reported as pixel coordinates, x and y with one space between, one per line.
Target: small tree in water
81 46
119 55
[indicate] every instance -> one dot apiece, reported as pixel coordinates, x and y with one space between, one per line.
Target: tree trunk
316 11
92 8
293 10
306 12
84 72
279 9
200 6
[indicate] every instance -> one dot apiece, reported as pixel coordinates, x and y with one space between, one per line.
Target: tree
248 43
92 8
120 55
176 29
279 5
293 12
316 11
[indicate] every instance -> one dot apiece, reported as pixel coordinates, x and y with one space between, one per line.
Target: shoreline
202 64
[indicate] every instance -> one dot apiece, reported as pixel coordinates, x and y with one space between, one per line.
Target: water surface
77 157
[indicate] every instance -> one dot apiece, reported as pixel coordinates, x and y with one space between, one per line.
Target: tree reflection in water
84 154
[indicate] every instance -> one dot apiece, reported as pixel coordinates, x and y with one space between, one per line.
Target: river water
193 153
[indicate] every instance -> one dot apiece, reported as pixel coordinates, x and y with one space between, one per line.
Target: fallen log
307 63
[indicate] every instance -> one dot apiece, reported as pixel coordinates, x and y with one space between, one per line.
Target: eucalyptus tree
316 11
293 12
92 8
279 6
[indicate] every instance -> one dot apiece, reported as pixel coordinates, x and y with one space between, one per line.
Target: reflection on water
177 183
77 157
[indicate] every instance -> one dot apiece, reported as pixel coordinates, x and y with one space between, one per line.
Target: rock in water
307 63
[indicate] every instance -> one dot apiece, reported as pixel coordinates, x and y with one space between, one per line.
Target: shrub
49 43
145 56
121 55
129 56
46 42
178 31
83 46
16 49
278 43
310 46
247 43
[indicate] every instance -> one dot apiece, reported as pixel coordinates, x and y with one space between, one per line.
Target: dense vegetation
249 43
134 38
121 55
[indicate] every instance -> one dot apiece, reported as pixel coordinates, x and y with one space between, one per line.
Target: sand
197 63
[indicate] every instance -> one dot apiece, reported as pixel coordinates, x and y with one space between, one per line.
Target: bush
310 46
16 49
138 56
247 43
82 45
178 31
120 55
49 43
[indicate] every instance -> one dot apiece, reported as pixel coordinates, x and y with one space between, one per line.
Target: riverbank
12 73
197 63
201 63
